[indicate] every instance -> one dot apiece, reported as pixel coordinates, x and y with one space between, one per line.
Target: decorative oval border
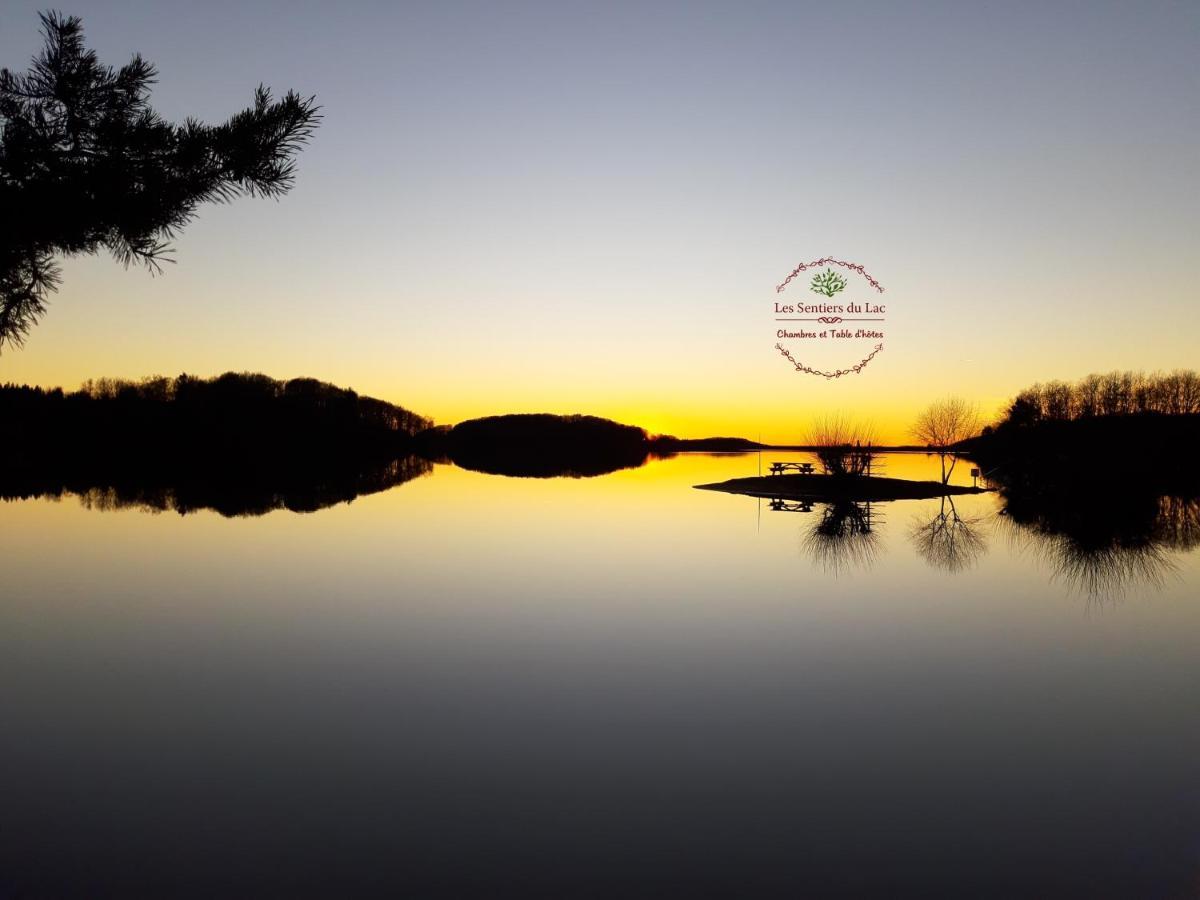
853 267
836 373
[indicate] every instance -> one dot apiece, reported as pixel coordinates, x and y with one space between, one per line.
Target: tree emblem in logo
828 283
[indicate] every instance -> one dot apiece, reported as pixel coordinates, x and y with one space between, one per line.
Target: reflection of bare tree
948 541
844 538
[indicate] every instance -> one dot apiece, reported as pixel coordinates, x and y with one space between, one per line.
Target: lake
477 686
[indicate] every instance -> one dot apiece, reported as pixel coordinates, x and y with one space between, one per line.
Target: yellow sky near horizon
711 371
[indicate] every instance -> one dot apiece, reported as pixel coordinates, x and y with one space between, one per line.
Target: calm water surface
476 686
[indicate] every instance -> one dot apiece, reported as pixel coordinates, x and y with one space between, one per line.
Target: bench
778 468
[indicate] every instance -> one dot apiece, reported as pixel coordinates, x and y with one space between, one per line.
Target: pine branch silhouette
87 164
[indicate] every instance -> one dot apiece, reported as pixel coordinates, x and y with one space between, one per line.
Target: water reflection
1104 546
241 491
844 538
948 541
455 669
1101 545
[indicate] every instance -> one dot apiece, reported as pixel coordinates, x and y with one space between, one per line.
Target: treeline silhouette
1112 394
239 443
1099 475
234 414
1124 431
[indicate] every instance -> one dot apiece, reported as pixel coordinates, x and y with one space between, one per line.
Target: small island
833 488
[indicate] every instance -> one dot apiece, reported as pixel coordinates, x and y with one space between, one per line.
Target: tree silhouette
943 425
1110 394
86 163
840 446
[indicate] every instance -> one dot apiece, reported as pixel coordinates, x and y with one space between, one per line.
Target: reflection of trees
1178 523
844 538
1104 546
1099 570
948 541
230 492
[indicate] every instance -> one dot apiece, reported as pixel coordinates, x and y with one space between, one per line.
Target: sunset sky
584 207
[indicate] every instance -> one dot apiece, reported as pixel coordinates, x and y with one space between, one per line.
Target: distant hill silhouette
664 444
544 445
540 445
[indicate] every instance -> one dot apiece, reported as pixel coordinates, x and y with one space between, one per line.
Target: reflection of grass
843 538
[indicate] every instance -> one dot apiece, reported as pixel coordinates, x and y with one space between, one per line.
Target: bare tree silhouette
1110 394
842 447
943 425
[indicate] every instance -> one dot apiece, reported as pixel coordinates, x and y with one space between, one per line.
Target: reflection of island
837 488
843 538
